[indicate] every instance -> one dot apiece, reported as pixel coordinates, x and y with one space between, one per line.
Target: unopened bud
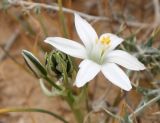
34 64
57 62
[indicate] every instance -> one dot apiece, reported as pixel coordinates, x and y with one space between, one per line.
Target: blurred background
24 24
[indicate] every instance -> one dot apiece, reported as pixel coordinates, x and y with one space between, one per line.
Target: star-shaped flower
98 54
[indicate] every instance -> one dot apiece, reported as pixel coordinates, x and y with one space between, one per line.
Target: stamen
105 40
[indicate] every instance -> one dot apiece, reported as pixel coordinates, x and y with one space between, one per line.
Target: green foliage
56 61
129 44
146 53
37 68
149 42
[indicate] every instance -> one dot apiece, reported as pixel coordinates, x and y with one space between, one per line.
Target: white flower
98 54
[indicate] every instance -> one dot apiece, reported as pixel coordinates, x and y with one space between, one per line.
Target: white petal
115 40
67 46
124 59
88 70
85 31
116 75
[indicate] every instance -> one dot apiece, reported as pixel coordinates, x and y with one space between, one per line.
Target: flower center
105 40
99 49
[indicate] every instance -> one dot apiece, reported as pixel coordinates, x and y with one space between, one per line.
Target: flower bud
57 62
34 64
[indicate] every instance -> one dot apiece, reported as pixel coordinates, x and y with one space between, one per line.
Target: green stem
75 106
62 19
65 76
76 110
86 98
6 110
52 83
78 115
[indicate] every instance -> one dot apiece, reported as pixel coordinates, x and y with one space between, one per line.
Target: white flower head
98 54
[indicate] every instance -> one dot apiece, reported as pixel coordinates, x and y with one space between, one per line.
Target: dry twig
32 5
9 43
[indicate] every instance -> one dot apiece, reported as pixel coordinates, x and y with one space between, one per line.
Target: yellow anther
105 40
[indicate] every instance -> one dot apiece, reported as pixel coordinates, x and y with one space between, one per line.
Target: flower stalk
6 110
62 19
